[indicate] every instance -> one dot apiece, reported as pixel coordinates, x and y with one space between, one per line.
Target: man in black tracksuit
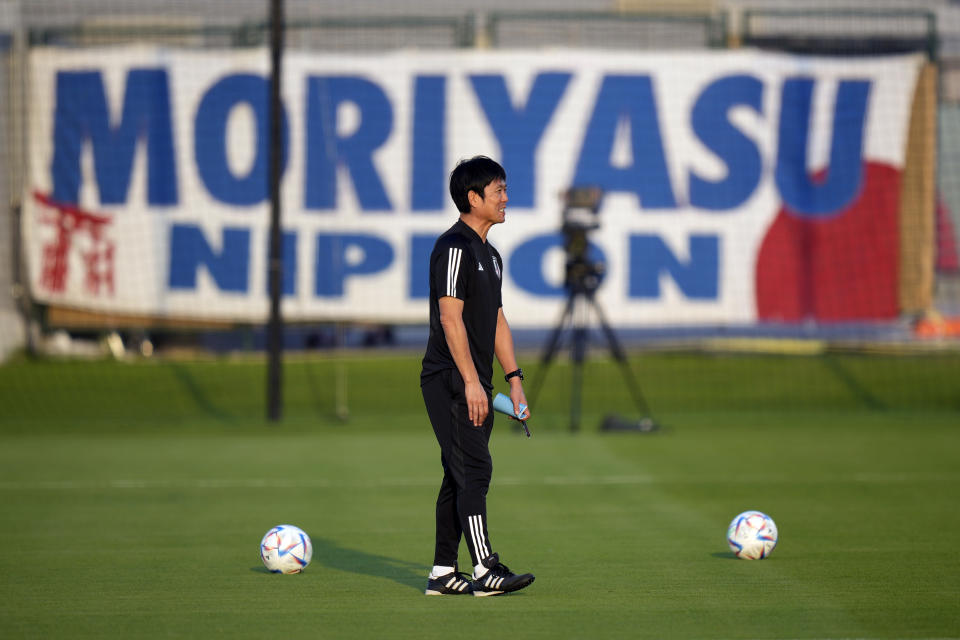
467 328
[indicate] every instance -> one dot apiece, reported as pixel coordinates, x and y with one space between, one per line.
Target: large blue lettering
526 264
626 99
81 114
710 121
334 263
421 246
428 166
326 150
520 129
189 250
697 278
210 139
800 191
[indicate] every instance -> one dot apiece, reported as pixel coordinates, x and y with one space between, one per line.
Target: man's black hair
473 175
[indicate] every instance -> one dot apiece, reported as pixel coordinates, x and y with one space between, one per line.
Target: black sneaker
499 579
454 583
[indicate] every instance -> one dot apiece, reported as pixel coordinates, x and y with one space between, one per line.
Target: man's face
493 206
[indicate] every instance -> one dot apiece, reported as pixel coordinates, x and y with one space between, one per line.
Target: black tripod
582 280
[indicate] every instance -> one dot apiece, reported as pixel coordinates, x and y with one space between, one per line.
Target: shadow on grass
197 394
853 385
317 387
331 555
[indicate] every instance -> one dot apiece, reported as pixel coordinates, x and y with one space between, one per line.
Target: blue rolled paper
504 404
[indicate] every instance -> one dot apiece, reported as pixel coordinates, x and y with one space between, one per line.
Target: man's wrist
516 374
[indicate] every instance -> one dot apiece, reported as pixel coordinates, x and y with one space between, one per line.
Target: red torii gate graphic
68 220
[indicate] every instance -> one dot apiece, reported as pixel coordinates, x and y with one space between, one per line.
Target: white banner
149 190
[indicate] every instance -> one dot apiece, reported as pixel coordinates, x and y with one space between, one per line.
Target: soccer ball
286 549
752 535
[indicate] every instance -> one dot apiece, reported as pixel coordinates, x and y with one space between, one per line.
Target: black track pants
467 467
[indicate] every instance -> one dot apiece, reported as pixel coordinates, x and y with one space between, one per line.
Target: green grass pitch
134 495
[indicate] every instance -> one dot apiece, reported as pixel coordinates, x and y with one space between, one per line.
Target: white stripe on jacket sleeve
453 270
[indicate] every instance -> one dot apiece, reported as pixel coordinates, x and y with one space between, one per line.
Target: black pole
275 323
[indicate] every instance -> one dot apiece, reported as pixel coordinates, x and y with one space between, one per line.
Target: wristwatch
514 374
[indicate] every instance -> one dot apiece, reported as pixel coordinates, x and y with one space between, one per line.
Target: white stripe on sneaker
493 582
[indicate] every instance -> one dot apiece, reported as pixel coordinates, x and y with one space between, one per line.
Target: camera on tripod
581 214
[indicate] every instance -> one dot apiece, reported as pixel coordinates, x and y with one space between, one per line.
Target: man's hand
518 398
478 405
